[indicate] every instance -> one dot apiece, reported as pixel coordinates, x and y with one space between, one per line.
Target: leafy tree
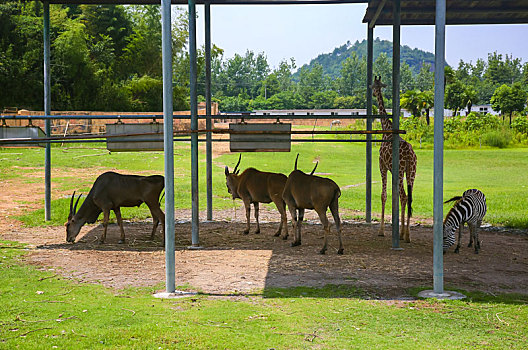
454 96
323 99
410 100
383 67
310 82
426 103
509 99
470 97
345 102
424 80
501 71
108 23
353 73
406 78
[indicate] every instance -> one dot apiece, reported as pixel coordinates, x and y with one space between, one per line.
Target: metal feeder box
260 140
149 142
21 132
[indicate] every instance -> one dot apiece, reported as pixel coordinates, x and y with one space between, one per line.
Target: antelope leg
117 212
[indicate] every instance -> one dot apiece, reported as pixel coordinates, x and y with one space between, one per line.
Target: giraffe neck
386 124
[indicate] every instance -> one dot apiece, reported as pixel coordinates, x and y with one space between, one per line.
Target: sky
305 31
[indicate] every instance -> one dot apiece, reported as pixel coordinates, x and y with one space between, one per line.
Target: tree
353 72
424 80
427 102
470 97
383 67
310 82
407 81
454 96
509 99
501 71
410 100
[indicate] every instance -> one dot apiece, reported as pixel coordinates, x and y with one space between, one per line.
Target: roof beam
372 23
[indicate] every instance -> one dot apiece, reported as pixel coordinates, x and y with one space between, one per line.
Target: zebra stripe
470 209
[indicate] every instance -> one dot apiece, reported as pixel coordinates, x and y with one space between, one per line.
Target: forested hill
332 62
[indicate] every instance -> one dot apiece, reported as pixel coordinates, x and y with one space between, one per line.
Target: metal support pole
208 124
194 124
368 177
168 146
396 124
47 111
438 214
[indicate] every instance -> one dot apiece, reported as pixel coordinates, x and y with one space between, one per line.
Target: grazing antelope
254 187
307 191
111 191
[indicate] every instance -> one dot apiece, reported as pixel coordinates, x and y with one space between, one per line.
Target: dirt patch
231 262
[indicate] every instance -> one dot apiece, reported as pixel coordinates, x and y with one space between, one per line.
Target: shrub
520 124
477 121
497 138
453 124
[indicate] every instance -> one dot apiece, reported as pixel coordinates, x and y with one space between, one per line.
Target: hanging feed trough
143 137
21 132
260 139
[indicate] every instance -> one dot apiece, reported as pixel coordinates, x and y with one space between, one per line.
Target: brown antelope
111 191
254 187
307 191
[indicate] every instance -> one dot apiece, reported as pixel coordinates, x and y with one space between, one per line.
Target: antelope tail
162 195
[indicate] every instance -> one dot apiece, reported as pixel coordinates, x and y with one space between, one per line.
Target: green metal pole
168 145
47 111
368 180
194 125
438 191
208 124
396 124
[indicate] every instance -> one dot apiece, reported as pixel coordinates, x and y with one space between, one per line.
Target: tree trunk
427 116
510 118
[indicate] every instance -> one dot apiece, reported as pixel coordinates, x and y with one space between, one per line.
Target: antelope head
232 179
73 226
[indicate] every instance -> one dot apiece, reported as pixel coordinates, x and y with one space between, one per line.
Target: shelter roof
212 2
422 12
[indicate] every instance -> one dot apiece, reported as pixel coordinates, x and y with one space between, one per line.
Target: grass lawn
42 310
499 173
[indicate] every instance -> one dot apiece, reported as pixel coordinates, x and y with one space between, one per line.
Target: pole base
173 295
195 247
449 295
398 248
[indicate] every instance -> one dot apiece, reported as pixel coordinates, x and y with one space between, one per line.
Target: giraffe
407 166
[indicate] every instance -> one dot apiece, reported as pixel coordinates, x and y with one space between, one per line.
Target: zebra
469 208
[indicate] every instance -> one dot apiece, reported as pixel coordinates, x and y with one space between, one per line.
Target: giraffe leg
404 232
383 199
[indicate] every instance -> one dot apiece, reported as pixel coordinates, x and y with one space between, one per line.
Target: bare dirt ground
231 262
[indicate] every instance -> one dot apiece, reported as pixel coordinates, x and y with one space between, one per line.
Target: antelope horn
236 166
75 207
71 204
296 161
316 164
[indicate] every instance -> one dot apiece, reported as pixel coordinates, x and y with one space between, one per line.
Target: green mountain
333 61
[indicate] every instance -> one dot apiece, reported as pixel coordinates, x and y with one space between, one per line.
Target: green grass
499 173
41 310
